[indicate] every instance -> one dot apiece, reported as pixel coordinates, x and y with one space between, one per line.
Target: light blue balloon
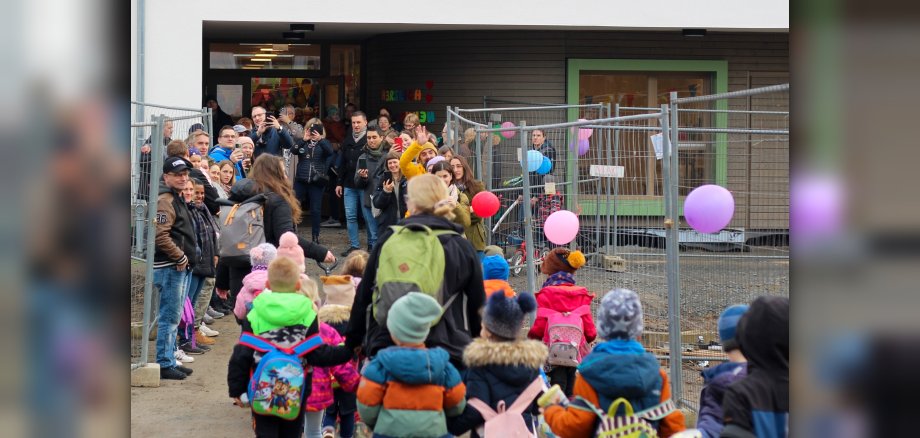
534 160
545 167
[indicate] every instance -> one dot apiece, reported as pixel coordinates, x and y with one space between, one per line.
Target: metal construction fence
627 182
154 131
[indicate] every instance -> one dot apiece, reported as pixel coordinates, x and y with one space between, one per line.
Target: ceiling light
694 32
267 49
262 59
302 27
293 36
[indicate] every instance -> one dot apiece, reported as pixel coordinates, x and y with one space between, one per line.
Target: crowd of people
419 333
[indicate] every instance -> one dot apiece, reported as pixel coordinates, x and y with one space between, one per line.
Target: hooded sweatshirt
758 405
409 392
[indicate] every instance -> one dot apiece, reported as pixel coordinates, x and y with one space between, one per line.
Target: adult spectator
199 141
226 150
421 149
390 195
177 148
287 117
368 172
248 149
144 161
463 179
428 206
351 150
314 155
175 244
246 122
384 125
218 115
335 129
540 143
374 124
268 135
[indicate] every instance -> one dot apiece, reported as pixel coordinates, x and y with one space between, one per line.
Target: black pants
236 268
311 195
564 377
266 426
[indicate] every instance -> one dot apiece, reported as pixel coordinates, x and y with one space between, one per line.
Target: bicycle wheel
516 263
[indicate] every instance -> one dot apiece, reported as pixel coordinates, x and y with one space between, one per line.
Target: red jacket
564 298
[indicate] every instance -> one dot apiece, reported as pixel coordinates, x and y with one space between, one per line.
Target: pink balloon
508 134
584 133
561 227
709 208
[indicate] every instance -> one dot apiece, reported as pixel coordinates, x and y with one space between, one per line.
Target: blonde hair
411 118
283 275
355 264
428 194
315 121
309 289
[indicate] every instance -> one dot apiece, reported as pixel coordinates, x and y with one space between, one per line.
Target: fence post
528 213
156 171
672 228
210 125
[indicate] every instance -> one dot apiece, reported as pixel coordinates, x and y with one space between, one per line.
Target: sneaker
203 348
207 331
181 356
186 370
178 362
331 223
214 314
349 251
328 432
207 319
188 348
172 373
201 339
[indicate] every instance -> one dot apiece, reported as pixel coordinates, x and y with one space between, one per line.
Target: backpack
565 335
631 425
242 227
277 385
509 422
411 260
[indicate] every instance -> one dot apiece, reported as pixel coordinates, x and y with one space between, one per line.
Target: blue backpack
278 382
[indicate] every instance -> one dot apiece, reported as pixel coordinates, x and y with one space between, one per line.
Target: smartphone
362 163
238 145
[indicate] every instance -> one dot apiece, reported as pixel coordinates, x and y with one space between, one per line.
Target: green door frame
719 69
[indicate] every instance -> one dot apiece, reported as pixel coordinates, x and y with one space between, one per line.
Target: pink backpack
565 335
509 422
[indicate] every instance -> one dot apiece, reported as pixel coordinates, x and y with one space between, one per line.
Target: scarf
358 135
558 278
376 153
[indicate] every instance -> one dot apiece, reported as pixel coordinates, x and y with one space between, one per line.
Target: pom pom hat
561 259
288 246
504 316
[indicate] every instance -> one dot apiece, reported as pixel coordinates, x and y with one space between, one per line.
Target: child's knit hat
504 316
262 255
619 316
493 250
494 267
410 317
728 322
289 247
561 259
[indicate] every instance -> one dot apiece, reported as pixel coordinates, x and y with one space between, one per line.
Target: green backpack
411 260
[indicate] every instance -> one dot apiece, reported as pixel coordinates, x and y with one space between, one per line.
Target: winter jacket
271 141
476 231
758 405
536 179
495 285
348 162
374 173
175 230
253 284
392 205
219 154
614 369
716 381
462 211
407 165
564 298
313 158
498 371
210 192
409 392
206 241
321 396
463 276
336 316
285 319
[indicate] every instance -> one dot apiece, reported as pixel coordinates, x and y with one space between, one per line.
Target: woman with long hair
227 175
461 202
429 206
314 155
390 195
463 179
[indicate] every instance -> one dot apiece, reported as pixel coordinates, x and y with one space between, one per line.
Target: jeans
313 426
172 285
354 200
343 409
313 194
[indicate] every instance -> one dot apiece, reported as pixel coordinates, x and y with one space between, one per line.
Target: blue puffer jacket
619 368
219 154
716 380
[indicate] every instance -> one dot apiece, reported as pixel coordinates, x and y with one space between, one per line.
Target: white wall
174 27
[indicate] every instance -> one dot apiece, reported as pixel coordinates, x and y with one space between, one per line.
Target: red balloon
485 204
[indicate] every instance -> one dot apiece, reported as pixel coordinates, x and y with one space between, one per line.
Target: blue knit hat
494 267
728 321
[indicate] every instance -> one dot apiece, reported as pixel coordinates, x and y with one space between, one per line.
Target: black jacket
271 141
461 321
351 150
758 405
210 193
205 231
536 179
369 184
313 158
175 237
392 206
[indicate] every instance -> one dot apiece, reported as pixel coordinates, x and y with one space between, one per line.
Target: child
758 405
254 282
560 294
340 295
420 385
500 364
284 316
495 272
618 367
718 378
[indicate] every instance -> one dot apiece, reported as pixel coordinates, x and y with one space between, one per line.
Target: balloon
584 133
545 167
709 208
561 227
485 204
534 160
508 134
583 146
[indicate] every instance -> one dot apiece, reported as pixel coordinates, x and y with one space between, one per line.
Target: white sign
549 188
607 171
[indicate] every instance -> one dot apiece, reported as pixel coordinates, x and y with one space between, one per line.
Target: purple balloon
709 208
582 148
508 134
816 207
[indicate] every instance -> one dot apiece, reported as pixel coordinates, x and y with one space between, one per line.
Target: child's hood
563 298
255 280
515 363
620 368
271 310
415 366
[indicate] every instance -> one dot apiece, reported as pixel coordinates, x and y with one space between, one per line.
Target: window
250 56
274 93
345 61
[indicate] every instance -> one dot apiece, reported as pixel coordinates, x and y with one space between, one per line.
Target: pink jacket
253 283
321 397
